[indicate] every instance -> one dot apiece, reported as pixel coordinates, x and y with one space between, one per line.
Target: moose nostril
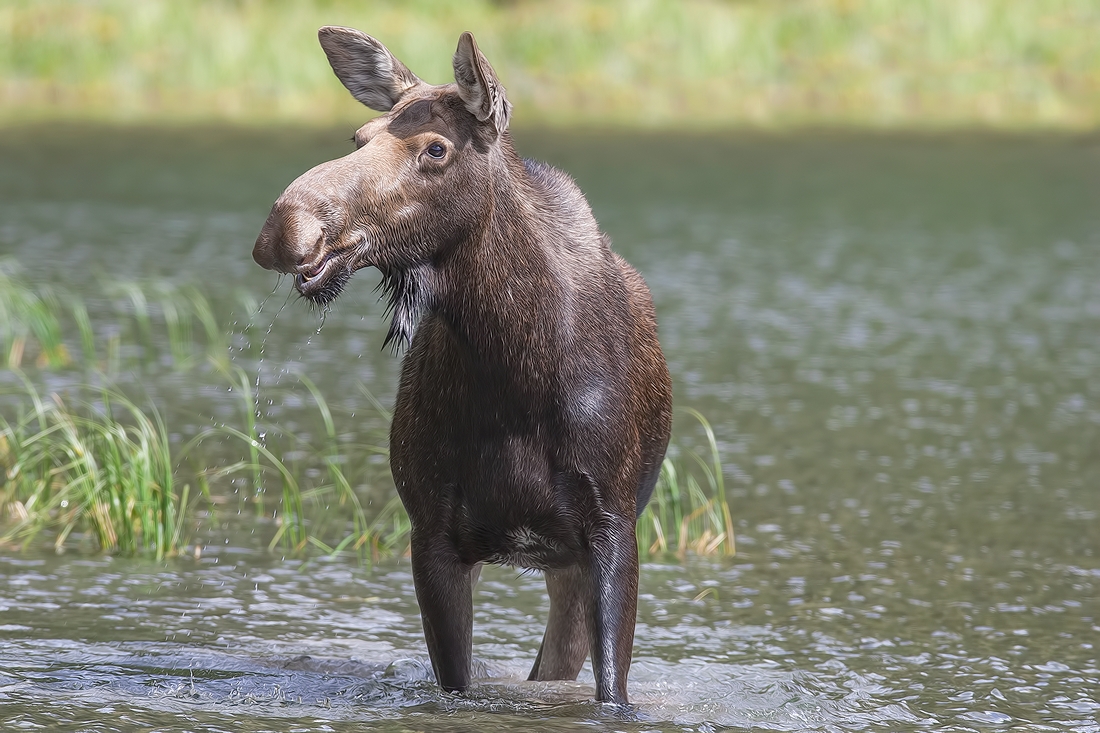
292 238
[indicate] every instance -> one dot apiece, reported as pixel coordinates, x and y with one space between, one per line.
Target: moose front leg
444 590
613 604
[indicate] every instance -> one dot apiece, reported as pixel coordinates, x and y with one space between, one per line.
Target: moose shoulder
534 404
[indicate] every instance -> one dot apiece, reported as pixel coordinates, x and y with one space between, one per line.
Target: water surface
897 339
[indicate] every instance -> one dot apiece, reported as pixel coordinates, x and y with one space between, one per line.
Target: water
897 339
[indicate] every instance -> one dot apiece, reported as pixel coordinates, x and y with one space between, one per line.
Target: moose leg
444 591
565 643
613 584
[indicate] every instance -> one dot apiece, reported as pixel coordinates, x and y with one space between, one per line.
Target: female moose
534 404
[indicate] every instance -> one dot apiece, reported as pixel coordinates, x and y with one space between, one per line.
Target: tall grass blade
107 468
697 511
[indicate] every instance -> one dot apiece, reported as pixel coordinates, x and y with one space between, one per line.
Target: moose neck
501 293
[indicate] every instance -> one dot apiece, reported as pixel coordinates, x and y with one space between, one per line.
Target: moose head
402 198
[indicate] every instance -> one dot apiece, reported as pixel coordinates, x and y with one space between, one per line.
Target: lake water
896 338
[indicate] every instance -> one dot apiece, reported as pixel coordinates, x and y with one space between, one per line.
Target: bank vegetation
696 63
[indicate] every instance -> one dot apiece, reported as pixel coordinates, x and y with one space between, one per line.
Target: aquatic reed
328 515
34 321
98 464
105 466
29 321
689 509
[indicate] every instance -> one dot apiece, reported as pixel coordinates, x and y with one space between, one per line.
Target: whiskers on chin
330 289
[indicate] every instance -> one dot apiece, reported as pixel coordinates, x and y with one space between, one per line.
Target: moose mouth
323 282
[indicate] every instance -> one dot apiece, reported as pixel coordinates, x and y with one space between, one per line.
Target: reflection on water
896 339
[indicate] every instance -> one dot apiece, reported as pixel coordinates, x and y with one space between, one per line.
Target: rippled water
239 643
896 338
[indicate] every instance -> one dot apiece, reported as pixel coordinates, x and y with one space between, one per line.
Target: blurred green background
662 63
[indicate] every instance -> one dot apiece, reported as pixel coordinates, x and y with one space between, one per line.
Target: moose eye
436 150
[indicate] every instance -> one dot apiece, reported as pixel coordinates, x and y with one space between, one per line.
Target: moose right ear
371 73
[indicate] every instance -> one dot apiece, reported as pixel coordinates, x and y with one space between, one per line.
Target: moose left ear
478 85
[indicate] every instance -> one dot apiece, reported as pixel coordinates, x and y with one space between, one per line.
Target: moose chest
495 496
506 471
513 506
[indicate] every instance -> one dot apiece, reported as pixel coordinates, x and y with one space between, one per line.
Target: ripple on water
173 679
895 340
266 642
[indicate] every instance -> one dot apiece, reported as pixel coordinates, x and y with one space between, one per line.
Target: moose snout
291 240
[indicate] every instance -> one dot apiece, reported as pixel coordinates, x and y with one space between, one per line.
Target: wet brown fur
534 405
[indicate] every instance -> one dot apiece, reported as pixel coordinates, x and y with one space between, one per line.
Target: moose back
534 404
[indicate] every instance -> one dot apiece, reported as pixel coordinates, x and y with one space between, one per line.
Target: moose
534 404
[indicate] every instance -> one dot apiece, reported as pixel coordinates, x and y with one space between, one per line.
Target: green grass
30 318
33 321
1000 63
104 471
689 510
102 467
93 465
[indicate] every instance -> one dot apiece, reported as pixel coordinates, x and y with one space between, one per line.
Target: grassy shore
94 466
986 63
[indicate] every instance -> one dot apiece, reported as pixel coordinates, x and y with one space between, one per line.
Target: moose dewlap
534 404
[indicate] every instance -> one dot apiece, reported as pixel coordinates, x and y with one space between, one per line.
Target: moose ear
370 72
478 85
